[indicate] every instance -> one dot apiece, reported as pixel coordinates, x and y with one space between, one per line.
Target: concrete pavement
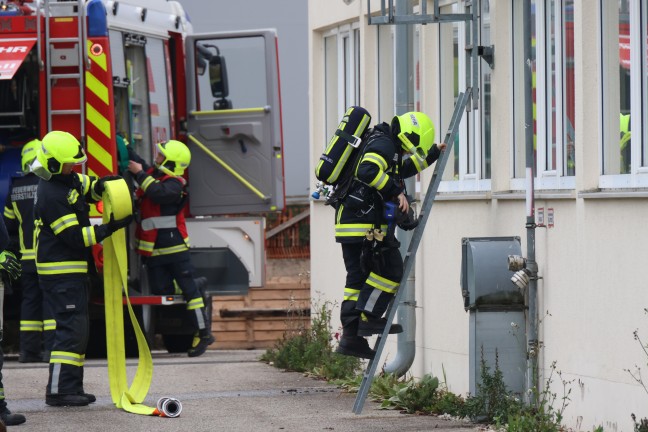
220 391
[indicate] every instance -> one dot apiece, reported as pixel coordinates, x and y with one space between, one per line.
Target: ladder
460 107
57 57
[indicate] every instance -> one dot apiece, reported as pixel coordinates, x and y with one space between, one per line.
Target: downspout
531 265
404 102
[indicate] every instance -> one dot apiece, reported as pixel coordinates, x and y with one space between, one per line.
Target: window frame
638 175
471 164
555 178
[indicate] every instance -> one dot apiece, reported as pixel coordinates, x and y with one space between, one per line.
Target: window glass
331 85
552 92
485 92
234 73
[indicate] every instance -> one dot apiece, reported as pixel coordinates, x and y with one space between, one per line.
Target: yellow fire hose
117 202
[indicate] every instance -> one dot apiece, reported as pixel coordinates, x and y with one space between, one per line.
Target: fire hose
117 202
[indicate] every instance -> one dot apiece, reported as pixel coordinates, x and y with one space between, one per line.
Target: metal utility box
497 310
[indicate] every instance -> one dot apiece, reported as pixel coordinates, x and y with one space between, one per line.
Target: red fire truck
134 70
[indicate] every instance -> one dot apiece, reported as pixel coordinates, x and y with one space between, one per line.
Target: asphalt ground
220 391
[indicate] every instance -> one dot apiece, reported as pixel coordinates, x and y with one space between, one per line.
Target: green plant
642 425
542 416
306 348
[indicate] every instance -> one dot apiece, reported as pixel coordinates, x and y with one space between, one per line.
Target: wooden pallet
259 319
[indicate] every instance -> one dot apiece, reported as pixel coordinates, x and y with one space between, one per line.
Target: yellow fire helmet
415 131
57 148
28 154
177 157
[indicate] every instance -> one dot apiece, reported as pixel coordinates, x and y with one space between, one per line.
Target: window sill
614 193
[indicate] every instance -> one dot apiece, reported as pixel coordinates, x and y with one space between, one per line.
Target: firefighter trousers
162 273
67 298
36 323
368 290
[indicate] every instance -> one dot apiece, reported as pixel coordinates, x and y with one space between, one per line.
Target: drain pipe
403 79
531 264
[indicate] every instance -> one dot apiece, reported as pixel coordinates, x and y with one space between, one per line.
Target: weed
642 425
306 348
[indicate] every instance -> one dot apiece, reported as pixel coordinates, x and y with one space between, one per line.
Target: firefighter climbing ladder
463 103
408 262
71 59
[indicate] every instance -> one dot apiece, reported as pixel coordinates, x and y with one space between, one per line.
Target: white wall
592 263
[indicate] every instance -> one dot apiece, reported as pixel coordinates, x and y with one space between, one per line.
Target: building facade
589 63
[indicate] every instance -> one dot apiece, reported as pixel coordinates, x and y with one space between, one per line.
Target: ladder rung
64 112
64 76
54 40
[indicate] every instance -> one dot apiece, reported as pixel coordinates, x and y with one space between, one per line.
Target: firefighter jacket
64 233
161 229
19 218
379 178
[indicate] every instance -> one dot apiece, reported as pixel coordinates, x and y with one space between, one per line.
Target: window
470 162
624 70
342 73
385 72
552 58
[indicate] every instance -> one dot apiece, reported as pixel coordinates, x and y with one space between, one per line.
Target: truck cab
117 73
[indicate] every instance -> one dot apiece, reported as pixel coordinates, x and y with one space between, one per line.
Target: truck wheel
177 343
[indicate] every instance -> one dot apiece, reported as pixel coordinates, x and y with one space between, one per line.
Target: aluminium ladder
460 107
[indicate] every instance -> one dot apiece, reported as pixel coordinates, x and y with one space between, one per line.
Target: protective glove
100 185
10 264
114 225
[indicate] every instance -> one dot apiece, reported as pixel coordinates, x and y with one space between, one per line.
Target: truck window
243 66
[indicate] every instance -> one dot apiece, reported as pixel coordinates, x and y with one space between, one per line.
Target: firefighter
36 325
10 265
161 233
369 248
64 237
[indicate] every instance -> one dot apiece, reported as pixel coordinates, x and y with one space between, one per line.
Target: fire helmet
415 132
59 148
176 157
28 154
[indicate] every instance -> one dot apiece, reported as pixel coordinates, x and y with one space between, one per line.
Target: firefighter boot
10 419
201 341
66 400
350 343
355 346
370 325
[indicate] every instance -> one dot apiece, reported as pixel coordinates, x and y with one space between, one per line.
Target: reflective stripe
49 324
351 293
89 237
170 250
9 213
371 301
352 230
85 183
379 181
28 254
158 222
148 181
381 283
67 357
62 267
64 222
2 395
195 303
145 246
375 158
200 318
55 373
419 163
31 325
73 196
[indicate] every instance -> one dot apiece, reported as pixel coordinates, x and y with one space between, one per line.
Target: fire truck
134 71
